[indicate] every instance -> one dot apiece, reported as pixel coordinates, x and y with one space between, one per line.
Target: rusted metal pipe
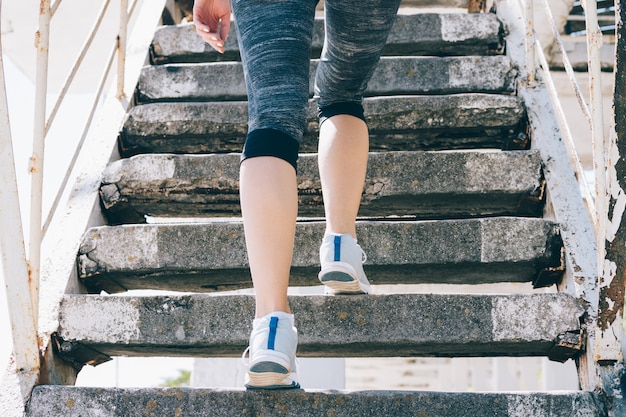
121 47
531 68
42 44
600 144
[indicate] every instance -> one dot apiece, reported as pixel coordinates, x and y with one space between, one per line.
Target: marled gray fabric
275 43
356 32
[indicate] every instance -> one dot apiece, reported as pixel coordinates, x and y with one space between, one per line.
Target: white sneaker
272 348
342 261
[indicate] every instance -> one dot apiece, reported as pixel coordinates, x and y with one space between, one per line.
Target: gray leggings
275 43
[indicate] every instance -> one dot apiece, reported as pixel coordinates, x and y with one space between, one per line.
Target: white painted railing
588 269
22 269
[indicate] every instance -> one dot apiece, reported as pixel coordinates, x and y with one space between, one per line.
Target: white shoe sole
270 370
341 278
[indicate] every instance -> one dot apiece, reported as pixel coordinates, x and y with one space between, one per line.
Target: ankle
340 232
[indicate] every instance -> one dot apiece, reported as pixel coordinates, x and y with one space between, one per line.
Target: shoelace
363 254
245 361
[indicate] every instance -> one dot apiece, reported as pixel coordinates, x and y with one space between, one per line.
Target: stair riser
426 185
374 325
421 34
92 402
395 123
404 75
209 257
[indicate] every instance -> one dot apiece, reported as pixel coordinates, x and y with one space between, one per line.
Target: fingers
212 38
213 27
225 28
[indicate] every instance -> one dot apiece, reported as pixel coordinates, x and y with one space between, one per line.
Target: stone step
416 34
342 326
211 256
395 123
420 184
394 75
189 402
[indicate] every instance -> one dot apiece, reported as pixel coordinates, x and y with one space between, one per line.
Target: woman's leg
275 45
269 204
343 150
353 44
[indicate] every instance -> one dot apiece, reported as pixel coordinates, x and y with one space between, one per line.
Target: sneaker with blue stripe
342 259
273 343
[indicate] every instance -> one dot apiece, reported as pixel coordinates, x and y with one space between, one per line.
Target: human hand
212 21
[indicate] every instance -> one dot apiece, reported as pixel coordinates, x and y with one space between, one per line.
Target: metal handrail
42 123
21 269
592 111
77 62
22 311
120 49
603 339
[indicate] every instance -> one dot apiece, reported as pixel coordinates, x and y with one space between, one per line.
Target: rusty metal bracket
477 6
77 354
532 204
567 345
551 275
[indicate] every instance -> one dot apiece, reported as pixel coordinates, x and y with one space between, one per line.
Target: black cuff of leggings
352 109
271 142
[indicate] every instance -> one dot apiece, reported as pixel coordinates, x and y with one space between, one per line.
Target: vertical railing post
599 141
42 44
611 198
22 310
121 47
531 55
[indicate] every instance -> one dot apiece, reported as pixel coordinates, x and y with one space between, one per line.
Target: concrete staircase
454 195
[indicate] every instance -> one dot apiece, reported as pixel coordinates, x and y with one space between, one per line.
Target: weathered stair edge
212 256
188 402
393 76
471 120
422 184
456 325
416 34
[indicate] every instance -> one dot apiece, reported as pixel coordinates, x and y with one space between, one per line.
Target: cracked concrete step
211 256
189 402
394 75
395 123
342 326
416 34
421 184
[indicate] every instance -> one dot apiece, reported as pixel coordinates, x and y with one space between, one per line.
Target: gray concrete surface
423 184
211 256
393 75
340 326
419 34
395 123
92 402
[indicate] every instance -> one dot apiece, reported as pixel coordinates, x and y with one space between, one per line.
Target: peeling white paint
615 191
152 168
117 320
532 406
532 318
128 247
608 273
457 27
